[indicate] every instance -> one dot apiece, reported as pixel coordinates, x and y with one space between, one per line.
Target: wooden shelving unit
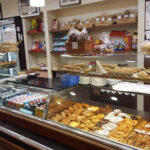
90 9
101 27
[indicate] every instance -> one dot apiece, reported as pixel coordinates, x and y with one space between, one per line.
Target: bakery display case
103 115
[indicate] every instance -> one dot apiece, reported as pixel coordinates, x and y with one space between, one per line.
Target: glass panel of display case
28 100
102 112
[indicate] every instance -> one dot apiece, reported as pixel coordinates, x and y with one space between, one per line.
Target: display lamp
37 3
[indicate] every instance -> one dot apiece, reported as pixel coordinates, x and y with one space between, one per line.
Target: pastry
63 115
81 118
100 116
58 117
71 109
79 105
104 133
75 107
65 121
95 120
54 119
85 105
67 112
74 124
109 126
93 108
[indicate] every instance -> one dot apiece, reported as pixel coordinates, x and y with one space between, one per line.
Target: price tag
109 19
74 45
132 15
102 19
119 17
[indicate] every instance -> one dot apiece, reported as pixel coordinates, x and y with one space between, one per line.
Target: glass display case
9 64
102 114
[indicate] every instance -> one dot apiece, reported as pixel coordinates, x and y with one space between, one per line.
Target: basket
84 47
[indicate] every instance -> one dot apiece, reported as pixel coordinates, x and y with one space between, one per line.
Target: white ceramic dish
98 85
112 81
84 82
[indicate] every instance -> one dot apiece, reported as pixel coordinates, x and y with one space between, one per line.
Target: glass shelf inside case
102 114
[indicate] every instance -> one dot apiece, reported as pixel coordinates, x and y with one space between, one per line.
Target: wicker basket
84 47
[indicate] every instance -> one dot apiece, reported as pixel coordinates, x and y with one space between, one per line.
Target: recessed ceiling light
114 98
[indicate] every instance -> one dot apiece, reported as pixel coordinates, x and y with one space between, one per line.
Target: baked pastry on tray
105 122
125 71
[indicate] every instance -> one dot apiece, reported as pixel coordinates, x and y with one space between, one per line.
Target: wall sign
26 10
64 3
147 23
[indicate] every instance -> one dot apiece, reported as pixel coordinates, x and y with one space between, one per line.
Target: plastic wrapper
146 43
77 36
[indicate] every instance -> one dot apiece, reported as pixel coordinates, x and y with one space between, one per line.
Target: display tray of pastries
77 68
140 137
144 74
109 67
106 122
125 71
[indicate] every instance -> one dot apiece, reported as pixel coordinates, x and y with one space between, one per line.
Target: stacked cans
39 111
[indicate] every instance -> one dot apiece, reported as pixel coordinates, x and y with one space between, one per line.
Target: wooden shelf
39 70
33 32
125 78
115 54
37 51
53 52
101 27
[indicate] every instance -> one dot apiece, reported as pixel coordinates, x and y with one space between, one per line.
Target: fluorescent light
73 94
37 3
59 103
114 98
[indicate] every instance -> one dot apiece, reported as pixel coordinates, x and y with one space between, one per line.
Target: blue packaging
69 80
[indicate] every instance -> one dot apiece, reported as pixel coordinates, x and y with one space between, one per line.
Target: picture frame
147 15
65 3
26 10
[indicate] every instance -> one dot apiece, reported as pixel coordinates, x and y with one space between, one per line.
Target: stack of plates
112 81
98 81
85 80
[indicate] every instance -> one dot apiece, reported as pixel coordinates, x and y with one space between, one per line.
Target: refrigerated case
11 31
94 116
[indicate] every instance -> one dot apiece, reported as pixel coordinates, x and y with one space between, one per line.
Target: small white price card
74 45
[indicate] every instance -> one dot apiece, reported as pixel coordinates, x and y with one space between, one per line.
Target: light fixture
37 3
72 93
114 98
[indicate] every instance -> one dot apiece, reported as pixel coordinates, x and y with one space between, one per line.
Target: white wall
54 4
9 8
